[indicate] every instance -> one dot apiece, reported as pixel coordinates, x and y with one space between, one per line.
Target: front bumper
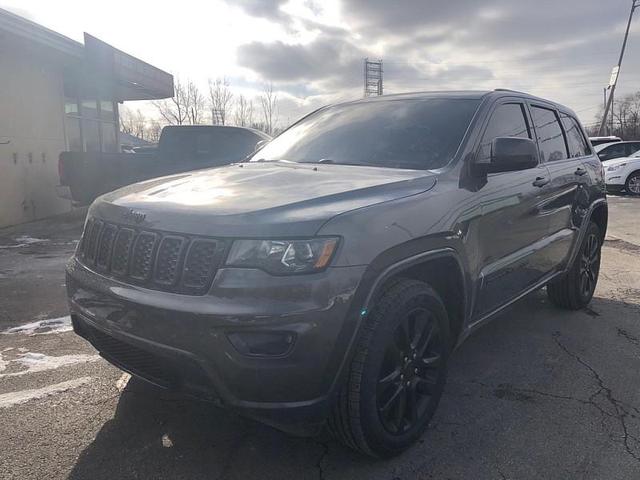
182 342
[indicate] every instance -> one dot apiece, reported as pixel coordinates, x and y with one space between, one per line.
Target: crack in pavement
621 412
323 455
623 333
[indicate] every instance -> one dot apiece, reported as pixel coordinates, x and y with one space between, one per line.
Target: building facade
57 94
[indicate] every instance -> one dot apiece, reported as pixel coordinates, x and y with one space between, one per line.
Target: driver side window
508 120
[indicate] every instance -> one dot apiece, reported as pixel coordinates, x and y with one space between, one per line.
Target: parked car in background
600 140
609 151
327 279
86 175
623 174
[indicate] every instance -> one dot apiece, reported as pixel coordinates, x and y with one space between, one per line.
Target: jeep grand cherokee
326 280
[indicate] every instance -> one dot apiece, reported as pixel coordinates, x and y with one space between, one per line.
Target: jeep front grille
156 260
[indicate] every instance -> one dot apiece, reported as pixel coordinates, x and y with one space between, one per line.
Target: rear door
563 149
511 228
631 148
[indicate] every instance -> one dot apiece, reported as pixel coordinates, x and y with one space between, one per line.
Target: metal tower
372 77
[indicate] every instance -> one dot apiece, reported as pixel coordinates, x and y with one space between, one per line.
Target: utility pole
616 70
604 103
373 77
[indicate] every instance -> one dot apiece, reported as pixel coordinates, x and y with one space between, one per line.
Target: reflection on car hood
259 198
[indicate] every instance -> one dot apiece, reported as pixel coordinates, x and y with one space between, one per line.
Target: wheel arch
600 215
443 270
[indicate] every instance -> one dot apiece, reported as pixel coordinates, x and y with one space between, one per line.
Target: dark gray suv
327 279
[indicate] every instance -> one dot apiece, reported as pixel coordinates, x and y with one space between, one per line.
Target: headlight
613 168
282 257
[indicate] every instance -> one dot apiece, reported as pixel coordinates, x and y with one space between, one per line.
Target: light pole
614 76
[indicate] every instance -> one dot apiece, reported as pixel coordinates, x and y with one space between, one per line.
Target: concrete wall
32 120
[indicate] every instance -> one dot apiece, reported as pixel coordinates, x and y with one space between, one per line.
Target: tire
575 289
632 185
395 380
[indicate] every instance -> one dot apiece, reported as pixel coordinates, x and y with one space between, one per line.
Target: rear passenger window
632 148
577 144
508 120
550 137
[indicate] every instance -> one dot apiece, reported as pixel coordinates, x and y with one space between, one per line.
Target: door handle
540 181
580 171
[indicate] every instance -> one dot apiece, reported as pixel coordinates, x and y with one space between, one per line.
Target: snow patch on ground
39 362
122 382
16 398
43 327
23 241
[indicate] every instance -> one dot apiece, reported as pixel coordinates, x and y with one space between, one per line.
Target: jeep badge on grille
134 216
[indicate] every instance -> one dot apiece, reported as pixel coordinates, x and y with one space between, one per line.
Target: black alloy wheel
410 371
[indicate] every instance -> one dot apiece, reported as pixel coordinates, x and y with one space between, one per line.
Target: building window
91 125
109 139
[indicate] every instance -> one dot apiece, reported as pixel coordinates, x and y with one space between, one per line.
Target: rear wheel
397 376
632 185
576 288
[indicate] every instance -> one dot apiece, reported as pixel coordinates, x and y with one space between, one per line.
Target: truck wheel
632 185
397 375
575 289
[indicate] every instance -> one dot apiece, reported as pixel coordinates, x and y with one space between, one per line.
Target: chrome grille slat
122 251
168 260
103 259
91 249
200 263
155 260
142 257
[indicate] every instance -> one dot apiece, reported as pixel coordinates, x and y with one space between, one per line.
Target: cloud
561 50
328 61
269 9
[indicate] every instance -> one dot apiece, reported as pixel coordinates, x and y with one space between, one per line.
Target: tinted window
508 120
550 137
416 134
632 148
214 143
613 151
577 144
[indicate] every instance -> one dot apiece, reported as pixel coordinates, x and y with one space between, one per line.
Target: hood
252 199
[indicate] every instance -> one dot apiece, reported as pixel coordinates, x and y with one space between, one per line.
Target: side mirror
509 154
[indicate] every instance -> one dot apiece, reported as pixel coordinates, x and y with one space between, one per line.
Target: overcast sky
313 50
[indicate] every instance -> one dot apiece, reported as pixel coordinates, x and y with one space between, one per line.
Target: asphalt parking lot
537 394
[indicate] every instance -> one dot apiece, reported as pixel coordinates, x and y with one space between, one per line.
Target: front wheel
575 289
397 376
632 185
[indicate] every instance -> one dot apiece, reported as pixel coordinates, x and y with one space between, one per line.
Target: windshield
412 134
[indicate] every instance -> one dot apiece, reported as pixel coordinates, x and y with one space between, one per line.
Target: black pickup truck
86 175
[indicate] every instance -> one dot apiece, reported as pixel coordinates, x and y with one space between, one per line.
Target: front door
511 229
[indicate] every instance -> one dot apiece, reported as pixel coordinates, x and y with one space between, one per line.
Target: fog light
262 343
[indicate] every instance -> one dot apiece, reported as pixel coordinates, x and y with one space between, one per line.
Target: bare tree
133 123
153 129
243 115
195 104
626 117
269 103
220 98
174 110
